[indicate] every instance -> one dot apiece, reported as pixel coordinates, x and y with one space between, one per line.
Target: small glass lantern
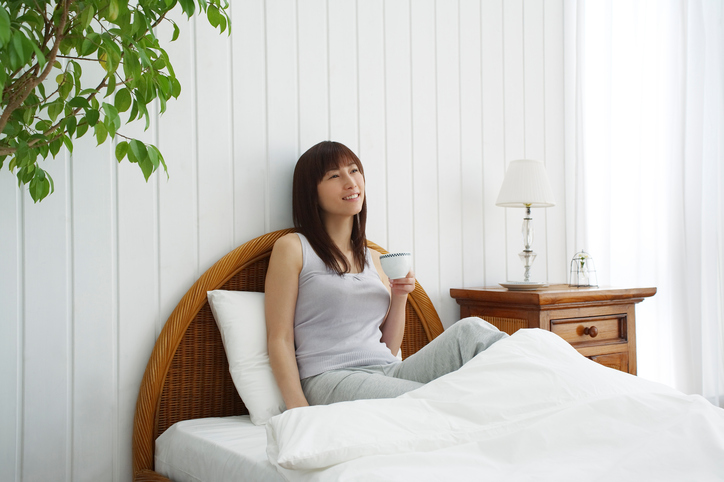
583 271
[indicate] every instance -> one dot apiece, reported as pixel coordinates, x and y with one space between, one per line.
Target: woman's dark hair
308 173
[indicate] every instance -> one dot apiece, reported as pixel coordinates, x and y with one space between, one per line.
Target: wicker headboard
188 376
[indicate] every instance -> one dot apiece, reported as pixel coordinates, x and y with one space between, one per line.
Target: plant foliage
45 100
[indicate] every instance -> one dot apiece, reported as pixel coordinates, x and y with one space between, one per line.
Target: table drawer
592 331
619 361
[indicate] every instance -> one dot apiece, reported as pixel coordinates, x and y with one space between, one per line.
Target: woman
334 319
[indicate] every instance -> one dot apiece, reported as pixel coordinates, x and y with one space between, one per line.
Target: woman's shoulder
288 239
288 248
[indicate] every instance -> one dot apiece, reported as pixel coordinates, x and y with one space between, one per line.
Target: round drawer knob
591 331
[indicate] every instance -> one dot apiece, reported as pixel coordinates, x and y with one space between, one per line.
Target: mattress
214 450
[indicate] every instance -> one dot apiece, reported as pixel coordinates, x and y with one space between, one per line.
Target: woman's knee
475 324
479 333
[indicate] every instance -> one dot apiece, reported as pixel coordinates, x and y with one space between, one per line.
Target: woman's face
341 191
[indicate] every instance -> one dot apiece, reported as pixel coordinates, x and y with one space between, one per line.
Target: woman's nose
349 182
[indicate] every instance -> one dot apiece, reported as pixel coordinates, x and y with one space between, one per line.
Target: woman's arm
281 288
393 328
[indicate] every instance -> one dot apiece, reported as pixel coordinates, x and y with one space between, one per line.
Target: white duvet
528 408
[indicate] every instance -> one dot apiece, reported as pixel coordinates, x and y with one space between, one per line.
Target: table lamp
526 186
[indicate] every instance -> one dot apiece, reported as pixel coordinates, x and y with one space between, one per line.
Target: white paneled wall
435 96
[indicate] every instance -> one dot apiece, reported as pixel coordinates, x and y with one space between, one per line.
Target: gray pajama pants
446 353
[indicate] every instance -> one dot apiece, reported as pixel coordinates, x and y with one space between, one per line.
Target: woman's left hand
403 286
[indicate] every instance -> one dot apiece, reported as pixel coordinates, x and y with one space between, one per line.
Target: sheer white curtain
645 172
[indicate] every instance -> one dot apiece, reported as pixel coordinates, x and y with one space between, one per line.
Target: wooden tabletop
554 294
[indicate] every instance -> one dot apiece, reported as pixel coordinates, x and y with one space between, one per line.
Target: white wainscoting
434 96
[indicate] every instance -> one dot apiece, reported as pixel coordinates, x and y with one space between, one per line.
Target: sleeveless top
337 318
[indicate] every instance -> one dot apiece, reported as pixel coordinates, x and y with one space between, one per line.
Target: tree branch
30 86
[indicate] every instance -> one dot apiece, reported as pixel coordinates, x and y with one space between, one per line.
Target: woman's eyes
353 171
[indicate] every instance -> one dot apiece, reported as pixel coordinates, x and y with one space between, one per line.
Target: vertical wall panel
215 172
557 254
11 328
471 144
93 337
178 194
425 148
282 111
371 88
314 79
343 97
436 96
494 135
399 130
449 162
138 298
47 329
249 110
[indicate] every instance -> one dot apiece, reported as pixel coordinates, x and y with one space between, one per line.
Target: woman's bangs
338 159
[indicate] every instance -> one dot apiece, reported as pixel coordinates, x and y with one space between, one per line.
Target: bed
530 407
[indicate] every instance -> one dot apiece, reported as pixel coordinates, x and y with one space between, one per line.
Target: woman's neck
340 231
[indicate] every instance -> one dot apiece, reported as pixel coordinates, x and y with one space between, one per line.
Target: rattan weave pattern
188 376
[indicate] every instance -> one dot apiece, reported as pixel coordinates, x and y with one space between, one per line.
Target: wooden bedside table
598 322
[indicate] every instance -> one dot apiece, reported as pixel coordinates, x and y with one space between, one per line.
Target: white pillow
240 318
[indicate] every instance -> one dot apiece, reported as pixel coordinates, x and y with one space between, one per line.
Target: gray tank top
337 318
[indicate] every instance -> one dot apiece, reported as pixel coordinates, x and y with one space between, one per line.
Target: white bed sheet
214 450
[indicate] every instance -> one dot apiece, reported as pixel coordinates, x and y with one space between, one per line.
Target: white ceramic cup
396 265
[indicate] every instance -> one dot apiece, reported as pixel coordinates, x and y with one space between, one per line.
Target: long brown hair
308 173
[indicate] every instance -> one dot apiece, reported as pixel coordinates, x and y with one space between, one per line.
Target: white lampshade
526 184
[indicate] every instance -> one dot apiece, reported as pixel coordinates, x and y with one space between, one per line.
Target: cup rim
393 255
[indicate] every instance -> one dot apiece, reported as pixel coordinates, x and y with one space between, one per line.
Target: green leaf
17 46
121 150
139 150
87 15
55 147
134 112
113 10
188 6
28 115
90 44
68 144
82 129
112 119
111 84
101 133
143 55
70 125
39 55
39 185
215 18
176 32
92 116
5 27
79 102
102 59
25 174
123 100
146 167
55 109
176 87
153 156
